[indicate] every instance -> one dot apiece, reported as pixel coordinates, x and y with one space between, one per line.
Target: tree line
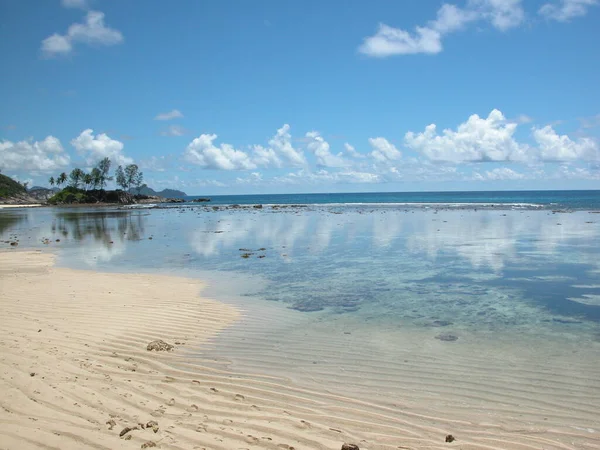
127 177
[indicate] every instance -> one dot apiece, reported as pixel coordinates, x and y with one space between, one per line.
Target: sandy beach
76 373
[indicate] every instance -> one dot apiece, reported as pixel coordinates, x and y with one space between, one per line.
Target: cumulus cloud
279 153
383 150
555 147
477 139
388 41
565 10
202 152
351 151
94 148
320 148
43 156
174 114
92 32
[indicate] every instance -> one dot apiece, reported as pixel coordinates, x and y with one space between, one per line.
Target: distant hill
9 188
12 192
165 193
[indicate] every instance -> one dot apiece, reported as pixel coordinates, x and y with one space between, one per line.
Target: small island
81 188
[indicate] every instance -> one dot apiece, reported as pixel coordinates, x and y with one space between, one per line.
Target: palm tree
61 179
88 180
51 181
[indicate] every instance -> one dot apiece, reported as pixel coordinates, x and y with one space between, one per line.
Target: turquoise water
482 269
543 199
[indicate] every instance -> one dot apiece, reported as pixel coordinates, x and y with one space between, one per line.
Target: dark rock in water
246 255
450 438
201 200
174 200
257 206
350 447
14 244
441 323
447 337
159 345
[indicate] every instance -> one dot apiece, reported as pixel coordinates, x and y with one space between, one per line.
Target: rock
153 424
447 337
350 447
14 244
32 374
148 444
201 200
450 438
159 345
126 430
257 206
128 437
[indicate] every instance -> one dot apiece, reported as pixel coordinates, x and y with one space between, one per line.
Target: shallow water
476 311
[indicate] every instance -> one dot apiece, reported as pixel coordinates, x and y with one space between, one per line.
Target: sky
235 97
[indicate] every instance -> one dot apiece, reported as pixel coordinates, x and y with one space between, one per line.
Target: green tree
61 179
97 179
88 180
76 177
120 178
134 176
51 181
103 170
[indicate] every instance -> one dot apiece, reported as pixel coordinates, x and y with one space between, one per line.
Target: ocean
476 310
545 199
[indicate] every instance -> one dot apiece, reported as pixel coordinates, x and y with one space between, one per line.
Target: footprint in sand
171 402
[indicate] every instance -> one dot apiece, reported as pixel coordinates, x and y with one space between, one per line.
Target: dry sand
75 372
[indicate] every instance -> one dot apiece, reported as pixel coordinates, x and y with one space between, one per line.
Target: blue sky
231 97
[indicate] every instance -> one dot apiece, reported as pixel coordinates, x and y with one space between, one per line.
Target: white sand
83 336
32 205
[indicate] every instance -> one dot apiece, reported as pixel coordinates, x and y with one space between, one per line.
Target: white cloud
202 152
43 156
565 10
154 163
477 139
303 176
554 147
81 4
393 41
503 14
280 151
56 45
521 119
173 130
320 148
94 148
352 152
388 41
91 32
174 114
253 178
383 150
503 173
